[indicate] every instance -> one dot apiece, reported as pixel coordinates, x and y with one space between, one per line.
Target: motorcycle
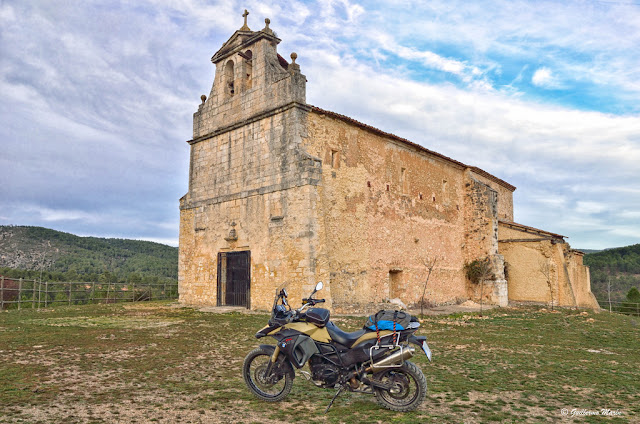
373 360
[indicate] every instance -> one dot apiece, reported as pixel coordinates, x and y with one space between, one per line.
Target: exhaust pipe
395 359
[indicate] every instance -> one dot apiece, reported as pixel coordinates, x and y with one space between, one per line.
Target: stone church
283 192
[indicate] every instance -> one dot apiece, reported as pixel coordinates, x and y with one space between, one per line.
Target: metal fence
18 293
627 308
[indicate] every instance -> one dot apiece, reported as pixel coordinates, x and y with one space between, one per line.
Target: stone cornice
249 193
226 50
251 119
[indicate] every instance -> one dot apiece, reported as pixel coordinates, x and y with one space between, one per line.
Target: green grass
152 362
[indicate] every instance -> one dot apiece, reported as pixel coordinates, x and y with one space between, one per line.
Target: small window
403 180
395 283
335 159
248 69
229 79
445 194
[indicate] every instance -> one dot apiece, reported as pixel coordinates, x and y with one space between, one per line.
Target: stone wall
388 207
534 257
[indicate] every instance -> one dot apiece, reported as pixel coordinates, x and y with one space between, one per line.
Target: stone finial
266 28
203 98
245 27
293 66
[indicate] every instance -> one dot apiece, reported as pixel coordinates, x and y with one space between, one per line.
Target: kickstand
334 398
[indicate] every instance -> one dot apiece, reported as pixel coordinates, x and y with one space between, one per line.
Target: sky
97 99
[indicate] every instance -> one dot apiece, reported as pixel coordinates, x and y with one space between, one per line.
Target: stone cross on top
244 15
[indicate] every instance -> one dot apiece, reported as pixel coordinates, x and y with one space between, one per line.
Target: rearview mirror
319 286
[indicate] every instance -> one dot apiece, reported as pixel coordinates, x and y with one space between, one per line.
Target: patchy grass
153 362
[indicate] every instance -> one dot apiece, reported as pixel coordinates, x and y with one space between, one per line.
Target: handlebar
294 314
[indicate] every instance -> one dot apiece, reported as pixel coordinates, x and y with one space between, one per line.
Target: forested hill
621 266
25 251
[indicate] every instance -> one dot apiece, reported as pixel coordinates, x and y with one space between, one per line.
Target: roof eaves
526 228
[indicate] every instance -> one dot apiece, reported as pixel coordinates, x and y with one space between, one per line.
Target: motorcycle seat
342 337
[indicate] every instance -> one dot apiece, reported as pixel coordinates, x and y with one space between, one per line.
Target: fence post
33 297
46 294
133 291
2 293
164 290
19 293
69 293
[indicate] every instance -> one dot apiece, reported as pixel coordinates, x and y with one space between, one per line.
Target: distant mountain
26 251
620 266
590 250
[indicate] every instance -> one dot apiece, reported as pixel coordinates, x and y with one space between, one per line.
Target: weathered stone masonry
284 192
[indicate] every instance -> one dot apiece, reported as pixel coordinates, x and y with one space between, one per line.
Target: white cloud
55 215
591 207
116 88
544 78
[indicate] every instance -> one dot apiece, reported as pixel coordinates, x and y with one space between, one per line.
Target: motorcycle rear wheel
409 387
268 389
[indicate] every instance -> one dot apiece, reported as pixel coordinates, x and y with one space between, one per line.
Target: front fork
274 358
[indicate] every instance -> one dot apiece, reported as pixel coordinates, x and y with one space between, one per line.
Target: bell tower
249 220
250 78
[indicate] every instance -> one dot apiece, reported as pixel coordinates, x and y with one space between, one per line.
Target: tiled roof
412 144
529 229
283 62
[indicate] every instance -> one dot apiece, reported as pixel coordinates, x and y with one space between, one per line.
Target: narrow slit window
335 159
248 69
403 180
229 79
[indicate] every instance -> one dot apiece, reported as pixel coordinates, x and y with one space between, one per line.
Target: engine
324 373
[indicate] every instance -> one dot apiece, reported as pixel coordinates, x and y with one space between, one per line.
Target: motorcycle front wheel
269 388
409 387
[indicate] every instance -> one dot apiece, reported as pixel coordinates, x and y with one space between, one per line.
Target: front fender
282 360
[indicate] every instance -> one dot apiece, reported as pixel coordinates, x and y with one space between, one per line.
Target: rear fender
417 340
282 362
422 342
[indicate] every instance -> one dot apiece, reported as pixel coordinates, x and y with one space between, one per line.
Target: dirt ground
163 362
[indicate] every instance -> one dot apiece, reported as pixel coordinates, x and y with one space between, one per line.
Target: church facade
282 192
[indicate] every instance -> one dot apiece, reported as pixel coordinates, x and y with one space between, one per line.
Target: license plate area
427 351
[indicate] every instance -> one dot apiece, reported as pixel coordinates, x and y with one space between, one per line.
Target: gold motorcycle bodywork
320 334
316 333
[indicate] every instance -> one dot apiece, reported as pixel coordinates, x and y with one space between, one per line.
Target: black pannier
318 316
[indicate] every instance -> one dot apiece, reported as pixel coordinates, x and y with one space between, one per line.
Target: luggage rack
393 345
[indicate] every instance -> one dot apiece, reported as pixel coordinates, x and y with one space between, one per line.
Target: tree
632 305
429 264
633 295
477 272
135 278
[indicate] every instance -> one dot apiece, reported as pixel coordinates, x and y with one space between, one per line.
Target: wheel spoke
408 388
267 387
